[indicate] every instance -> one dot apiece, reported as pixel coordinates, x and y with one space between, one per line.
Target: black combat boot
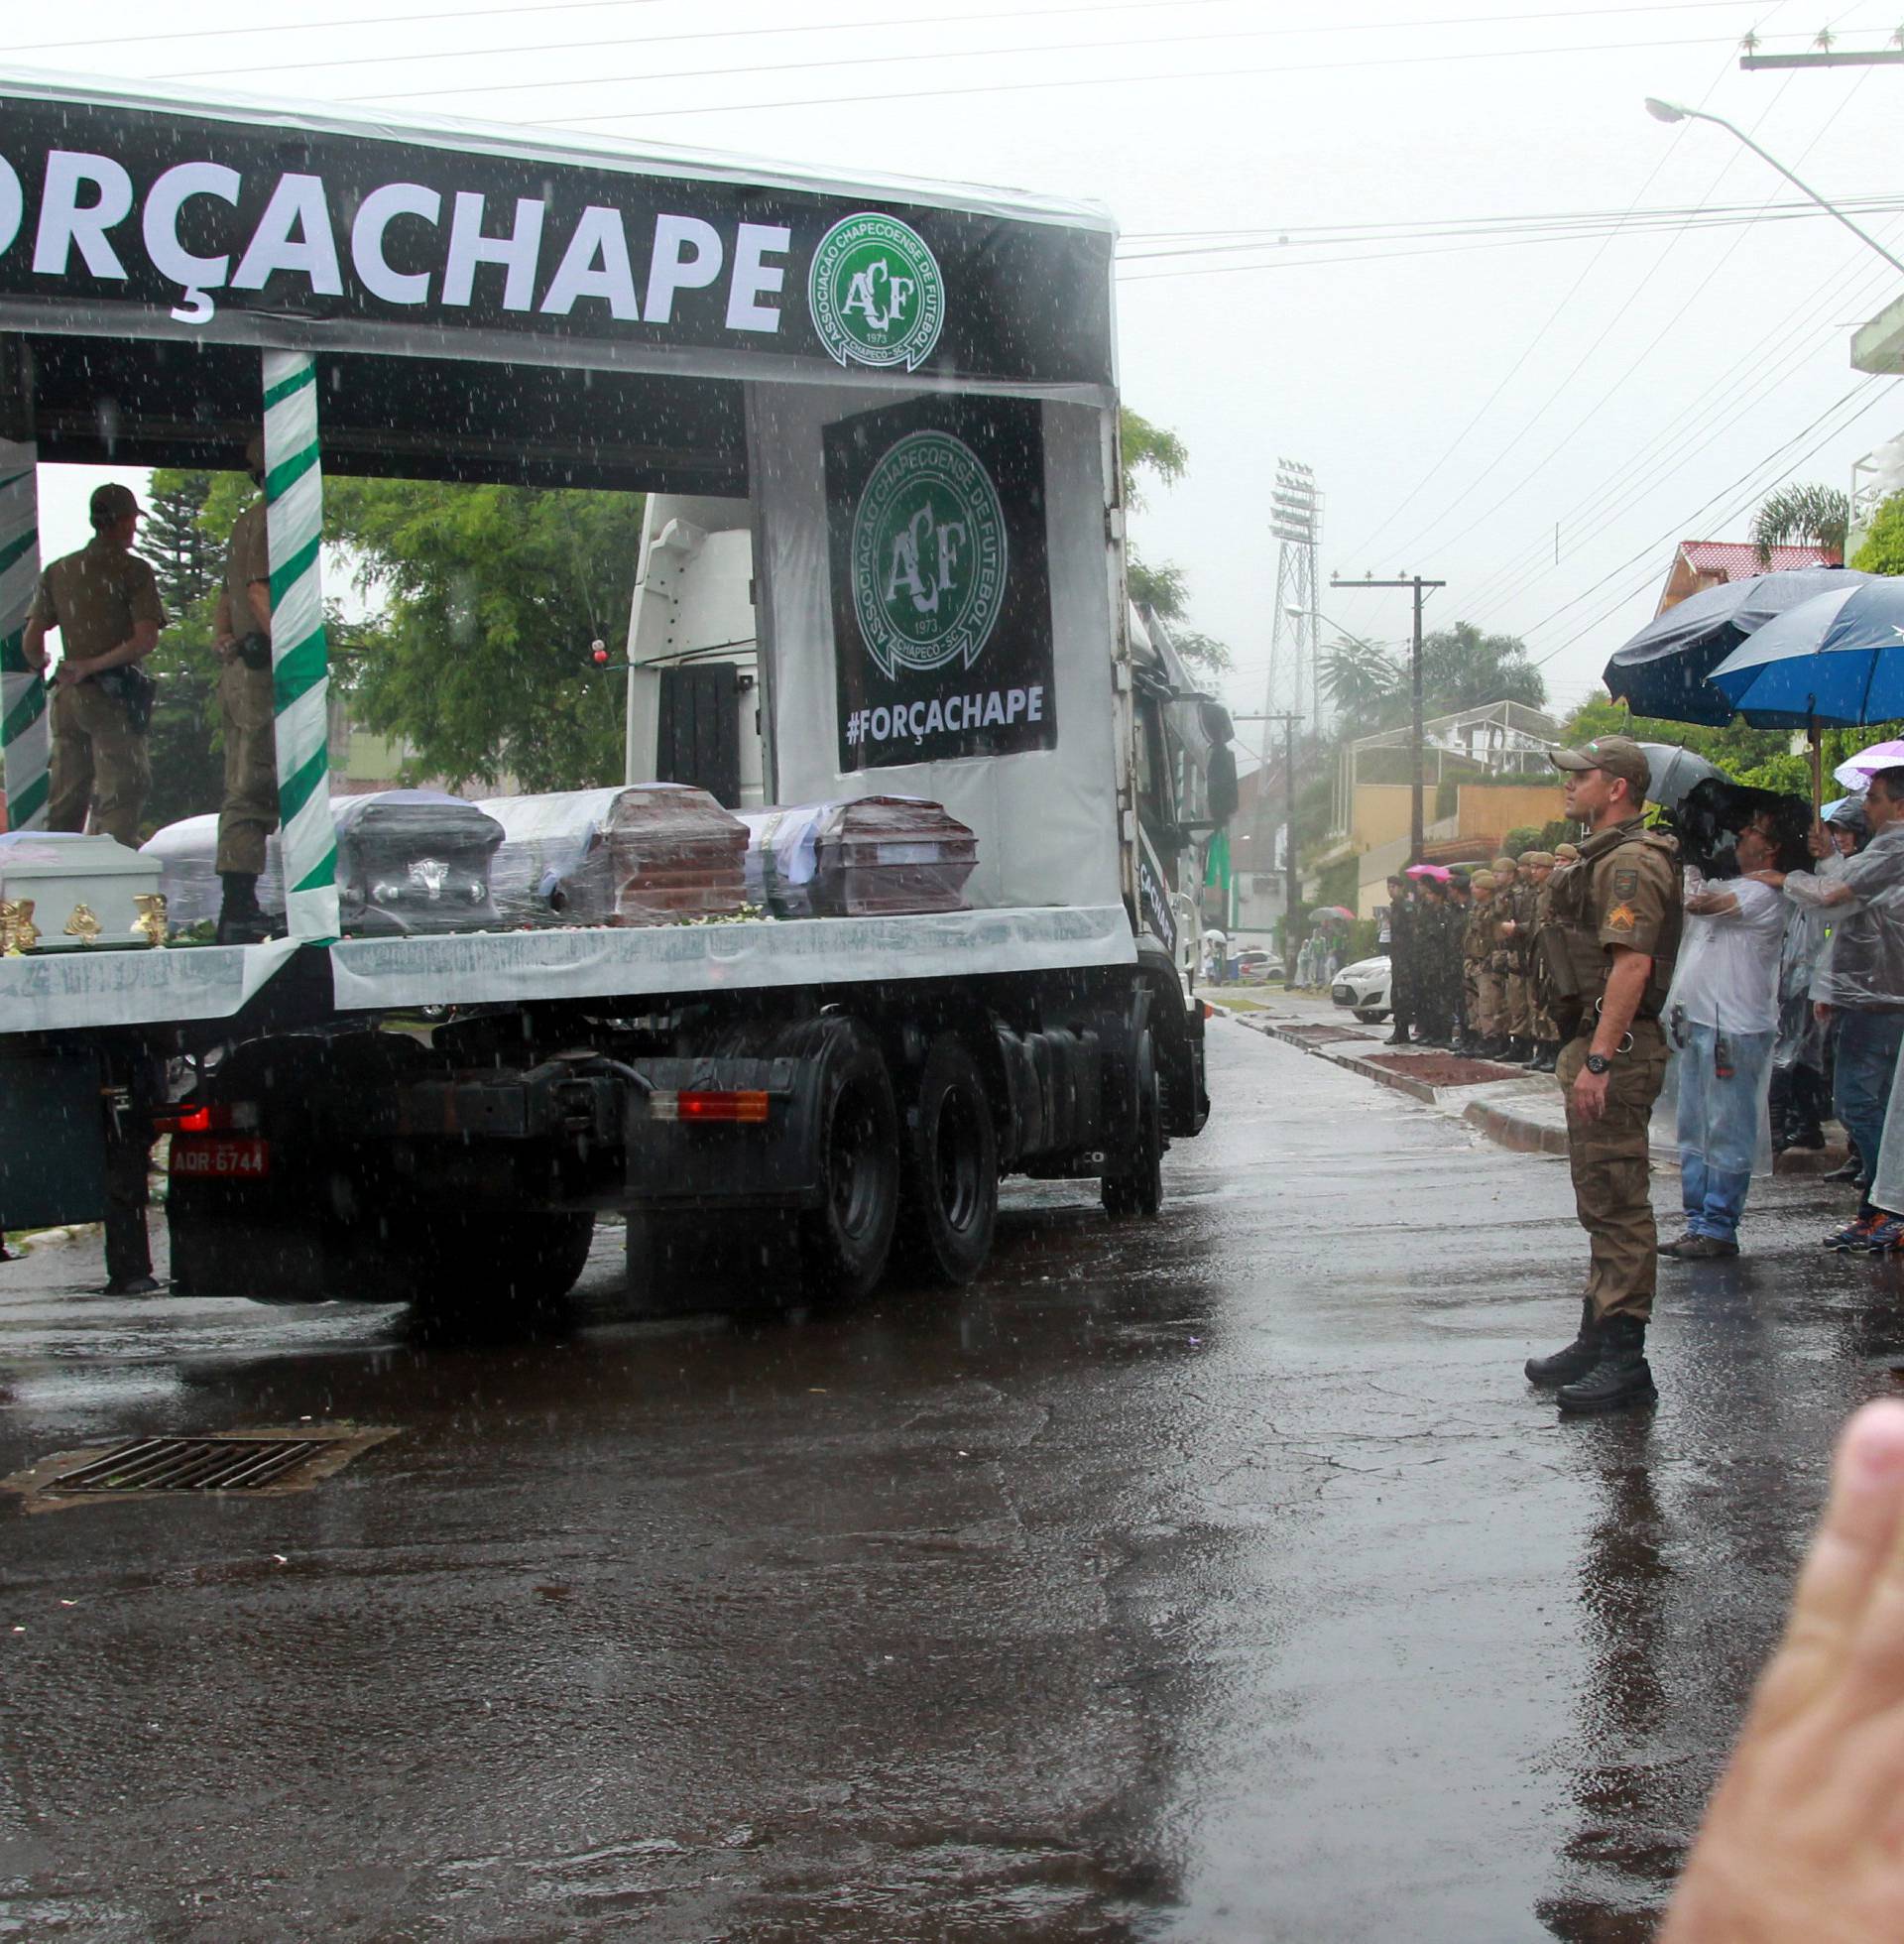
1546 1056
240 921
1579 1355
1399 1036
1622 1376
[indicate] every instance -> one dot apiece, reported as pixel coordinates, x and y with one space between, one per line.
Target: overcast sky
1512 313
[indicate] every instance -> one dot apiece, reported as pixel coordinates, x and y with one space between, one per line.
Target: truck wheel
1135 1186
845 1241
951 1183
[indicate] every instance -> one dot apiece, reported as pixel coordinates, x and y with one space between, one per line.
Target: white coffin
59 873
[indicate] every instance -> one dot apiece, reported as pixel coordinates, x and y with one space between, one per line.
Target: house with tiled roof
1703 563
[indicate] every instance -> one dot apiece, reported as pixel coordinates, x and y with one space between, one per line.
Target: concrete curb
1520 1113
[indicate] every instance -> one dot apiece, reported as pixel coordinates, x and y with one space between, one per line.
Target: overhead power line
892 23
1483 233
1553 398
1746 485
1017 51
1151 77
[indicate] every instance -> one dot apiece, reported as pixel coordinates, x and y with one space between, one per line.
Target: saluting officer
241 639
104 601
1614 917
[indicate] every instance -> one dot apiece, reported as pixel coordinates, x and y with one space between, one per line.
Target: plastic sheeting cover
407 860
634 854
858 855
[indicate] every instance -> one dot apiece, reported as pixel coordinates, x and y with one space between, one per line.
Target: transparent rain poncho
1862 965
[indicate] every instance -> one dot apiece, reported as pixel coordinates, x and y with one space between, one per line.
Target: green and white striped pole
25 727
299 657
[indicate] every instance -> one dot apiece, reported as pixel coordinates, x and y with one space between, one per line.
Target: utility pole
1420 587
1292 890
1295 521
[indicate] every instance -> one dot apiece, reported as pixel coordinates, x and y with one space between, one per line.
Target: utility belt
1588 1023
133 689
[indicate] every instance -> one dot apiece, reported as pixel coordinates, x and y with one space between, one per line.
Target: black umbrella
1663 670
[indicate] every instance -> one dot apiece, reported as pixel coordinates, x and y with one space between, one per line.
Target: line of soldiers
1463 972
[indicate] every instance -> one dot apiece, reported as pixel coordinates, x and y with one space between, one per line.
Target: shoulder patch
1621 918
1625 881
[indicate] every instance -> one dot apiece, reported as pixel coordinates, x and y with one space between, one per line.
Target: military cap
1566 853
1618 756
1481 881
111 503
1502 863
1537 857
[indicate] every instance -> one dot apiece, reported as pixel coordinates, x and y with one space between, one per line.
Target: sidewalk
1507 1104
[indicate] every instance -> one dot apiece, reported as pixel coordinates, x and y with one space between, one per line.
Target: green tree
1358 679
187 555
1763 758
1797 515
1884 549
1156 453
490 598
1462 669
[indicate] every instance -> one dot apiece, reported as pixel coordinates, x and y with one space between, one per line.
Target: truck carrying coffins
873 429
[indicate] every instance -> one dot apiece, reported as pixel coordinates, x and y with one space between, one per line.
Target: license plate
225 1157
1343 994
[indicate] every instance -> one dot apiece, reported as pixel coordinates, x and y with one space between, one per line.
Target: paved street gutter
1518 1110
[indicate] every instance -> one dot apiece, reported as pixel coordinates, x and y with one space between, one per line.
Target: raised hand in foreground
1804 1839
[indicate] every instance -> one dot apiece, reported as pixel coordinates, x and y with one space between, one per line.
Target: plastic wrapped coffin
408 860
641 853
414 859
862 856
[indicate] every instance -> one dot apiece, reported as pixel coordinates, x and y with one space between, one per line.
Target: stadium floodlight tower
1295 520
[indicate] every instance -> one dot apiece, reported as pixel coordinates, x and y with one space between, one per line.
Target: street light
1668 111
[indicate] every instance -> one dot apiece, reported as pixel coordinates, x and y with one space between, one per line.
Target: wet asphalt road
1213 1579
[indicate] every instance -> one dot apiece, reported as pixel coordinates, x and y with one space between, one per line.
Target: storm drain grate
277 1460
216 1464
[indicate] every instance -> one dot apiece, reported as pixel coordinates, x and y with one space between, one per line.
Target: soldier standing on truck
1610 944
104 601
242 640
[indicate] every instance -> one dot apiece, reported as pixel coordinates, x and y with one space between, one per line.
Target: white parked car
1364 987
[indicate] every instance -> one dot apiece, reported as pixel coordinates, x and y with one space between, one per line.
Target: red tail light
214 1116
745 1107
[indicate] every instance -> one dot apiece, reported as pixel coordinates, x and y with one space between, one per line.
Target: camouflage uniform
249 813
96 597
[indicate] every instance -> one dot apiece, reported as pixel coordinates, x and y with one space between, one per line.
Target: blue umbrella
1835 658
1664 669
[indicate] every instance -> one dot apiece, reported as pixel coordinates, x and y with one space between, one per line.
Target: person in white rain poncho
1858 992
1724 1016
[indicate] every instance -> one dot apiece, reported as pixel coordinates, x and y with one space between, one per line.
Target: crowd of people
1753 954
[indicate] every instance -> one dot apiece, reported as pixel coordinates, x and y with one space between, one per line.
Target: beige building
1484 773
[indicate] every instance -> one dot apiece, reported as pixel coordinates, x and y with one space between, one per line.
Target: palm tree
1797 514
1357 677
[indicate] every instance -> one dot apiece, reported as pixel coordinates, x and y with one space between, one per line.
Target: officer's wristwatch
1599 1063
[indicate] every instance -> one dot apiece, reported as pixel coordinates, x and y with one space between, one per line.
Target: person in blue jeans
1724 1018
1859 991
